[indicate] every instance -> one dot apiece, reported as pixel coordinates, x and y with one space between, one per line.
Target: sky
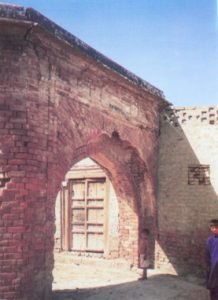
172 44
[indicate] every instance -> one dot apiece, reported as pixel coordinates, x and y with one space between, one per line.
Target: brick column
26 227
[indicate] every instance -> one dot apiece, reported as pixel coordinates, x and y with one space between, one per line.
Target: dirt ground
79 280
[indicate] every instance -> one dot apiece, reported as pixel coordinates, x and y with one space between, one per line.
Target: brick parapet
182 116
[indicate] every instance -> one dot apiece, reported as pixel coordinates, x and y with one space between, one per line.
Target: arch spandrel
121 161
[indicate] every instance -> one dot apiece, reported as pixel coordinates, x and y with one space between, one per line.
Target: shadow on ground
157 287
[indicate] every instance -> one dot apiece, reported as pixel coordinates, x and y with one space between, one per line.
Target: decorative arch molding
122 162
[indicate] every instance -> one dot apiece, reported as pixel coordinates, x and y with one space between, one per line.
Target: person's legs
214 294
144 274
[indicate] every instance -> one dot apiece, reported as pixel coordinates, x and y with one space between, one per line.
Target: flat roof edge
10 11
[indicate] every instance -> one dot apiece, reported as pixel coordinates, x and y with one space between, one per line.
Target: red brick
17 229
9 276
52 124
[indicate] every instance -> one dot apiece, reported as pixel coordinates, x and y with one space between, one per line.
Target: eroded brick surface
58 106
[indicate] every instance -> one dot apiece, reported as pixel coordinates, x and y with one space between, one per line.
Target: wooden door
88 214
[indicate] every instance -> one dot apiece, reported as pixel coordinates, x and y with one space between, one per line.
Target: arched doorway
87 213
123 168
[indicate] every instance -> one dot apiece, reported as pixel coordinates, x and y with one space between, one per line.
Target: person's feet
143 278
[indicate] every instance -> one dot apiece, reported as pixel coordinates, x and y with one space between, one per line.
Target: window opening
199 175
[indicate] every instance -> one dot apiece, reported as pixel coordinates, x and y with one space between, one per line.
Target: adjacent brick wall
186 202
58 106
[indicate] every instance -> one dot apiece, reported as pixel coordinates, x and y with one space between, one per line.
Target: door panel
78 215
78 241
78 191
95 215
96 189
88 214
95 241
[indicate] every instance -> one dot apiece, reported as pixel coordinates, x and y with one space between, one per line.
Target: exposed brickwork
186 202
199 174
180 116
58 106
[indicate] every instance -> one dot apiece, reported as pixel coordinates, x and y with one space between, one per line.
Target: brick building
61 101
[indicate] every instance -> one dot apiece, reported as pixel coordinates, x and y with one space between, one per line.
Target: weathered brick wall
188 137
58 106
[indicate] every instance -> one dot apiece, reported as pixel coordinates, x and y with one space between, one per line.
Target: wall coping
19 13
